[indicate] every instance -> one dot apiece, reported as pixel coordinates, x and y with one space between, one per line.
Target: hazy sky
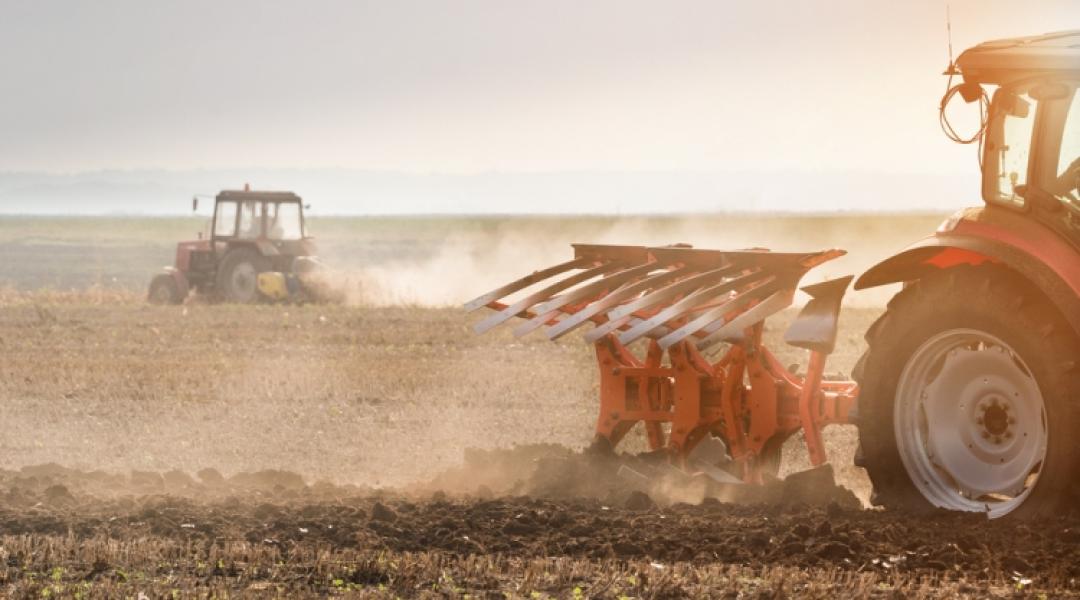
489 85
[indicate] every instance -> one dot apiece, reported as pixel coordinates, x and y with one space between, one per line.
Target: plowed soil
213 533
340 439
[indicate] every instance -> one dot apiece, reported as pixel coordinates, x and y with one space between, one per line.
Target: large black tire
237 276
994 301
164 290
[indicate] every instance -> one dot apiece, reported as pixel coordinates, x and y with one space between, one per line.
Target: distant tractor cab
257 247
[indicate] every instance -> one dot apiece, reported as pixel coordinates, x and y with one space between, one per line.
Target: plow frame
683 301
694 398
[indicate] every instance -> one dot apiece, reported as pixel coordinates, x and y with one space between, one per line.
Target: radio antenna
948 30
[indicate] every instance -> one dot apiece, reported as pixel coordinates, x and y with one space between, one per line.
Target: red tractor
968 397
258 245
970 389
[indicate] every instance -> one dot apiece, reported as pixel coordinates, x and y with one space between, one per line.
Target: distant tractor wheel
968 397
238 275
164 290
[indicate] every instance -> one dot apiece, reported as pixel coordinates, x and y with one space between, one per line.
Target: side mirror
970 92
307 207
194 203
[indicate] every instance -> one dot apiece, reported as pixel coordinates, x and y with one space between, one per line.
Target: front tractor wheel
968 397
164 290
238 275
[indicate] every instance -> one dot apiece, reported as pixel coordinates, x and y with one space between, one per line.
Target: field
380 448
407 260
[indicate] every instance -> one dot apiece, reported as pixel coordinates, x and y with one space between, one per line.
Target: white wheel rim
970 423
243 278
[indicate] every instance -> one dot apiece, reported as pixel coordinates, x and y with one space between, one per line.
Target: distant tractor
257 247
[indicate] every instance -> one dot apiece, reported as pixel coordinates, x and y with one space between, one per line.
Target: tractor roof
999 62
241 195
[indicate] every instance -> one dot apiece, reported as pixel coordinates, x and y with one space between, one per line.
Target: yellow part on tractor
273 285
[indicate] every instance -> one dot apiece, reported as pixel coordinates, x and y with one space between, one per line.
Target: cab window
250 220
1011 155
283 221
225 219
1067 175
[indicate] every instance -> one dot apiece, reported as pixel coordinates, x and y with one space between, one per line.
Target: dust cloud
386 390
450 269
626 479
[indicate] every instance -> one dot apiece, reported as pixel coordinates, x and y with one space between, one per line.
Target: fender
996 235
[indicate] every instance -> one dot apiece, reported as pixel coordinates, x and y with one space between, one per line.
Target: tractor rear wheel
968 397
164 290
238 275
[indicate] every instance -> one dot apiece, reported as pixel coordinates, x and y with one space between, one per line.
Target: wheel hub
974 435
995 419
244 278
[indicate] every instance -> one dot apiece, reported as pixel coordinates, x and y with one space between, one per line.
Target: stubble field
212 450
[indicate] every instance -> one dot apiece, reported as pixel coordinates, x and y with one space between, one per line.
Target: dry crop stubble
269 534
57 566
384 396
368 395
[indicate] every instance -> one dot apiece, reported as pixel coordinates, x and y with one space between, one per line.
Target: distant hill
357 192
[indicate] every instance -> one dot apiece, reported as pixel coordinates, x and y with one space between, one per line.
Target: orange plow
679 306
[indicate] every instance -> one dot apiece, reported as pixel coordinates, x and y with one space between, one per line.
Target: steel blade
524 304
613 299
524 282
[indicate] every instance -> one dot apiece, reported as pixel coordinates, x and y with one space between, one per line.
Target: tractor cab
275 217
257 245
1031 130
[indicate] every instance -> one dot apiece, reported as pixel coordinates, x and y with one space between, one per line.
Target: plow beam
680 303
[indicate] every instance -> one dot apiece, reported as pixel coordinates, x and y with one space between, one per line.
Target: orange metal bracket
746 398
